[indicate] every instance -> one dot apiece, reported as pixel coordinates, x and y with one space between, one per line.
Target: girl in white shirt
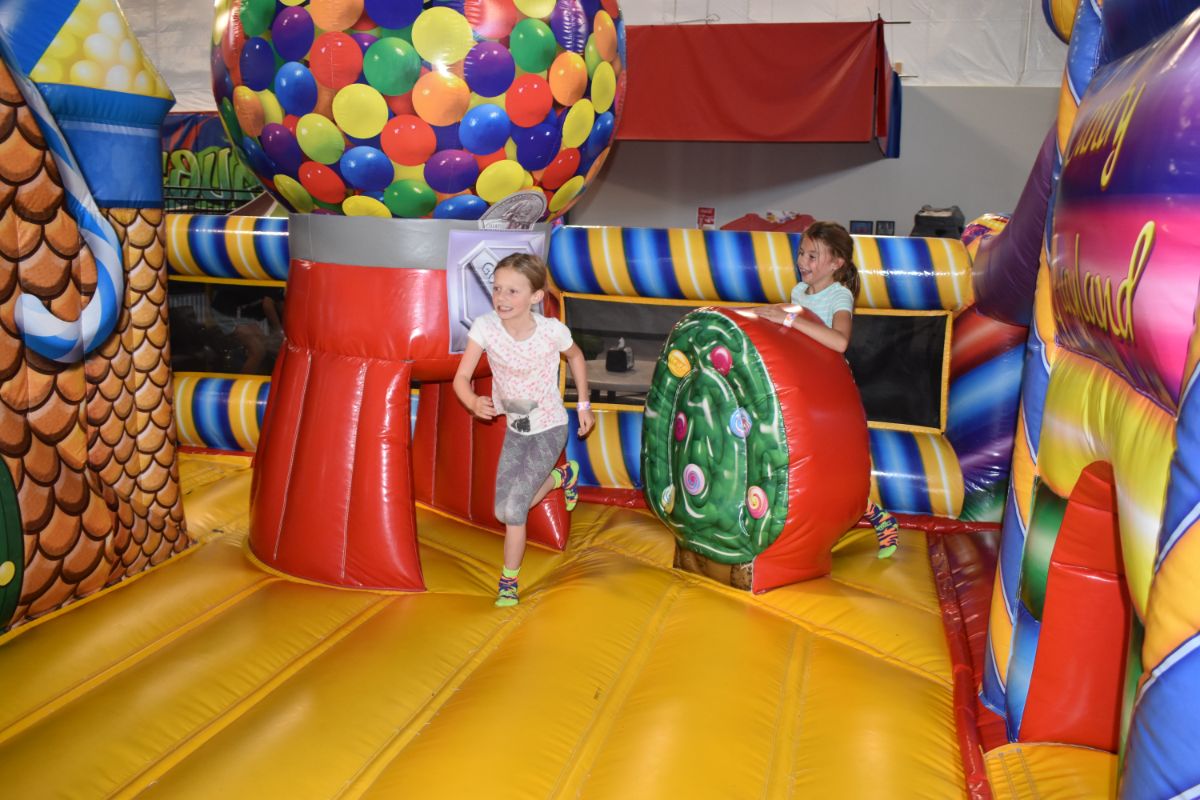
828 285
523 350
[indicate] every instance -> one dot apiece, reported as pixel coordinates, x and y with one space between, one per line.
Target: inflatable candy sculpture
89 484
371 114
754 450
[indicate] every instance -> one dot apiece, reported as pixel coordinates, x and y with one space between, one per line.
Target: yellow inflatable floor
616 676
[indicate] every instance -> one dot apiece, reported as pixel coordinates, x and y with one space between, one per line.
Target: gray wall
967 146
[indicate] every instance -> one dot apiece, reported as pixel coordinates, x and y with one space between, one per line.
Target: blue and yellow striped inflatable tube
751 267
1171 648
1082 56
255 248
911 472
220 412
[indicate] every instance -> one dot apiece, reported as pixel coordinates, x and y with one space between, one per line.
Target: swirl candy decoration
746 426
62 340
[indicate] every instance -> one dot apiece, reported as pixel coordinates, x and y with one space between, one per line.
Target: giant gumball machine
395 131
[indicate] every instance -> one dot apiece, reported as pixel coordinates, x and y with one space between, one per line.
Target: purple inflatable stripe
1006 266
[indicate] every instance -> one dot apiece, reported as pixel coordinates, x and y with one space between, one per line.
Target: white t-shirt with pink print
525 372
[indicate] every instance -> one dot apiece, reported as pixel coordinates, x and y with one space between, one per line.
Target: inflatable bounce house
709 622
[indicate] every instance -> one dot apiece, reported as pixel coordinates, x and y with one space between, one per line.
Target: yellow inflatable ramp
616 676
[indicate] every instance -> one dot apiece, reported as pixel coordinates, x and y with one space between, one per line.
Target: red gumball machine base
333 494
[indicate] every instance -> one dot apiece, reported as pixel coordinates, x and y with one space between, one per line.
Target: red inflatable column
332 497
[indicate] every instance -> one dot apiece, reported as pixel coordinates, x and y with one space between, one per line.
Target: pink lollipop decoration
680 426
756 502
693 479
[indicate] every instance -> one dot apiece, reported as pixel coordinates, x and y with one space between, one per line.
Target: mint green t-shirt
825 303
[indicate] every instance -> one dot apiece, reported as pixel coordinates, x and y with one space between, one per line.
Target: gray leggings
525 461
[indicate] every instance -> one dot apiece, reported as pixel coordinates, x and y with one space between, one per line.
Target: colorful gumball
537 146
294 193
272 111
336 60
539 9
528 101
280 145
462 206
604 87
408 140
442 36
601 135
256 16
681 426
296 88
451 171
591 55
569 78
393 13
605 33
392 65
410 198
249 110
561 169
363 206
364 41
566 194
256 158
570 25
491 19
499 180
578 124
360 111
441 98
367 169
533 46
322 182
257 63
484 129
489 69
335 15
293 34
320 139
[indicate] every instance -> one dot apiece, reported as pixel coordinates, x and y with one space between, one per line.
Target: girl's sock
567 477
887 531
506 595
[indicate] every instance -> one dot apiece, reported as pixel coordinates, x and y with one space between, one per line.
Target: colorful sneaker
568 478
506 595
887 531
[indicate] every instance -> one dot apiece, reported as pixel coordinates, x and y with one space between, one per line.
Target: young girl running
828 286
523 350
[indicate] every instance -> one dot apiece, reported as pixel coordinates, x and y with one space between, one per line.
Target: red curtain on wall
796 82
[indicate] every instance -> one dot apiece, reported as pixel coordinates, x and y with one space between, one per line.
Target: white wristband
789 319
583 405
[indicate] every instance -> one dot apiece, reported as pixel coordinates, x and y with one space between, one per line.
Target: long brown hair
838 240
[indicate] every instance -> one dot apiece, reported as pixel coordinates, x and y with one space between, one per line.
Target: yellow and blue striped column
1006 604
254 248
1160 751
